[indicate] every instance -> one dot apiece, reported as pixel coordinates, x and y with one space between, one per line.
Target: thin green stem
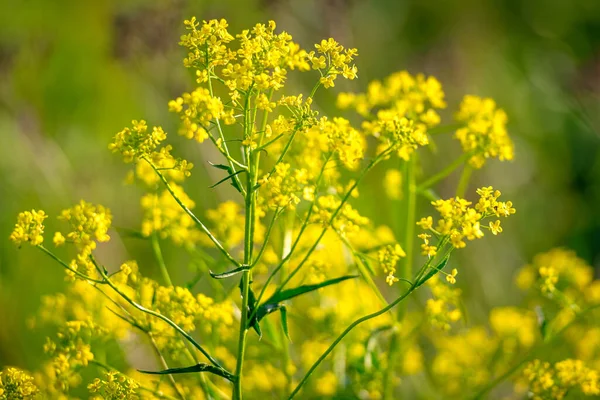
222 136
463 183
193 216
443 173
372 164
65 265
159 259
267 236
165 366
353 325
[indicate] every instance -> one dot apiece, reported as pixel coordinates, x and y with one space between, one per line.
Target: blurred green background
73 73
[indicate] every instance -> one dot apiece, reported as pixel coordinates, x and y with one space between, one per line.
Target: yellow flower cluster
331 59
163 215
29 228
462 361
345 141
114 386
227 222
88 224
347 220
136 143
283 188
444 308
515 326
72 351
197 110
388 258
556 268
548 381
414 97
16 384
484 134
460 221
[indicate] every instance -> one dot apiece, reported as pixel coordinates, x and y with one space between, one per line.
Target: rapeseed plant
295 240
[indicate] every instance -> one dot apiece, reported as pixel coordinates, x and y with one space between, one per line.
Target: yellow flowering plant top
293 244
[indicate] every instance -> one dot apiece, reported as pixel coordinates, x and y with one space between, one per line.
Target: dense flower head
16 384
285 187
388 258
29 228
89 224
459 220
343 140
560 275
197 110
396 133
347 220
484 134
443 308
514 324
415 97
163 215
137 142
553 381
114 386
331 59
173 169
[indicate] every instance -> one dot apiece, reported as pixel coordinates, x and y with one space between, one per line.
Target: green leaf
230 273
433 271
251 307
283 295
284 322
228 177
221 166
201 367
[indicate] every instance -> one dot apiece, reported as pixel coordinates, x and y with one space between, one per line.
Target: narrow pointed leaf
227 177
300 290
433 271
221 166
284 322
232 272
201 367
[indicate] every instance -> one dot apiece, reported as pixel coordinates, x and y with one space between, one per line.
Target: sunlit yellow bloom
29 228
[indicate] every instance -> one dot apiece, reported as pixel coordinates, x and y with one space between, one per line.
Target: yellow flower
484 135
29 228
58 239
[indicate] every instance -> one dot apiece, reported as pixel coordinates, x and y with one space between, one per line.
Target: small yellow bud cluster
388 258
345 141
397 132
443 309
283 187
515 326
162 214
461 221
547 381
16 384
136 142
114 385
559 275
485 132
89 224
197 110
347 220
29 228
414 97
331 59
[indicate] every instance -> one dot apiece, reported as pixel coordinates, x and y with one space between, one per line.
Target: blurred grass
74 73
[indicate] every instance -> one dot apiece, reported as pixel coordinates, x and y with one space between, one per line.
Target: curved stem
267 236
463 183
443 173
193 216
159 258
64 264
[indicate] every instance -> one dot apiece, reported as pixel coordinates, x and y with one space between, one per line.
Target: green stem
250 203
65 265
372 164
443 173
463 183
159 258
359 321
165 366
193 216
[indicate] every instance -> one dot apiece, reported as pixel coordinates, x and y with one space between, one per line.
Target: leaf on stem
201 367
433 271
232 272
